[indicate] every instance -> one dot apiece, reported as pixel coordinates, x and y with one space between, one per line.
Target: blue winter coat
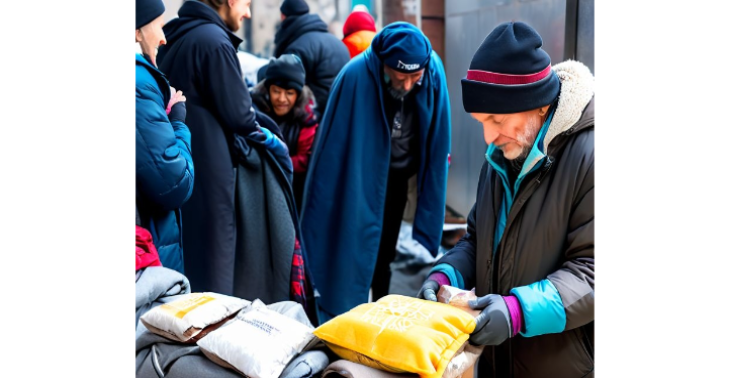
322 54
164 165
200 59
344 197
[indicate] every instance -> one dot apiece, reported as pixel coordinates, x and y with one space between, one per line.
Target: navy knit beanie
402 47
294 7
509 73
261 74
287 72
148 10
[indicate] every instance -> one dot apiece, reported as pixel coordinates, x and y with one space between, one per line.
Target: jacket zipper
545 169
497 258
495 268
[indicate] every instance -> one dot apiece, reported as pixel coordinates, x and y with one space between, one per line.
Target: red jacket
300 160
146 251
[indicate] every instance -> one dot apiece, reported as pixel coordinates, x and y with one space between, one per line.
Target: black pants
396 197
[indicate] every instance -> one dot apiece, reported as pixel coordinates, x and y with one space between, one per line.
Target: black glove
493 323
178 112
428 290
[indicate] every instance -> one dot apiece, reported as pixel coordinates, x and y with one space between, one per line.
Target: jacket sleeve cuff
542 308
515 312
452 274
440 278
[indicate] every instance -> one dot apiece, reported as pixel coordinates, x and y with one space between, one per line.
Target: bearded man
528 250
387 120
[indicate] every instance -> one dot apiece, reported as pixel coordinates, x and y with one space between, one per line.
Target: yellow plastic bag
399 334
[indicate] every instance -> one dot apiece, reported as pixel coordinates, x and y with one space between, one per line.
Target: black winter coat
200 59
322 54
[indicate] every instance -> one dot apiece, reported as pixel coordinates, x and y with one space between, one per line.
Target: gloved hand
176 109
272 142
494 324
428 290
278 148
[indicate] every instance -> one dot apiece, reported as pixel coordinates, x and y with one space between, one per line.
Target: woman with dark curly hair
283 96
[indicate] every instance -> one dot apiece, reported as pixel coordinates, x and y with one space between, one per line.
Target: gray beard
397 94
525 152
527 140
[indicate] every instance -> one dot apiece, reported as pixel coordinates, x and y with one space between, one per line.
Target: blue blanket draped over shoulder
345 190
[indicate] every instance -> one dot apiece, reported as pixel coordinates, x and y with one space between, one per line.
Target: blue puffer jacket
164 165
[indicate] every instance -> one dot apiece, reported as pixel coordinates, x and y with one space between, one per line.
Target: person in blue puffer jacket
164 165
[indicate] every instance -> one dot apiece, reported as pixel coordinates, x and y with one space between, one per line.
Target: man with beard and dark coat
388 120
283 96
528 250
322 54
200 59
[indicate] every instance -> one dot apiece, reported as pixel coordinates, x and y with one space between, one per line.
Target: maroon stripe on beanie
506 79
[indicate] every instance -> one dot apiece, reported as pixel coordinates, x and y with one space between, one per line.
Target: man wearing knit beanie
529 248
164 164
358 31
389 121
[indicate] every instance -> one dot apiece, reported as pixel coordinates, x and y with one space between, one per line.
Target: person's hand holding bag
500 319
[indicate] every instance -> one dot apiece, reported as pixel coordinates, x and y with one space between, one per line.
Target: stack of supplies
400 334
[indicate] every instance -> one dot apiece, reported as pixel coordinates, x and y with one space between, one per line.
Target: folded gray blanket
156 283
